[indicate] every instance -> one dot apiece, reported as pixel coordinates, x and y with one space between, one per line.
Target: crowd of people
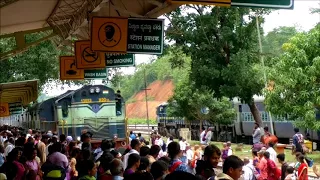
37 155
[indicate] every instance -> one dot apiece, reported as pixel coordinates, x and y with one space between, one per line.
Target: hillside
160 91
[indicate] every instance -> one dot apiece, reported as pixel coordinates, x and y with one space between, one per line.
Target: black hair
270 144
210 150
173 149
165 159
138 175
281 157
301 157
144 164
180 138
158 168
233 162
154 150
266 128
133 158
105 145
147 142
131 132
139 134
84 136
296 130
89 165
75 152
134 143
85 145
105 160
180 175
266 154
290 170
62 137
144 151
255 152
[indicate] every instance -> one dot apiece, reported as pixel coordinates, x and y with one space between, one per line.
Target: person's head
203 128
212 155
45 138
301 158
246 160
133 161
266 129
131 132
228 144
106 145
165 159
281 158
159 169
85 137
90 168
196 147
180 175
254 153
171 138
75 153
11 140
224 145
105 160
266 155
297 155
174 150
30 131
14 155
85 154
270 144
62 137
232 166
135 144
144 151
139 134
296 130
289 170
116 167
154 150
37 137
256 125
180 138
144 164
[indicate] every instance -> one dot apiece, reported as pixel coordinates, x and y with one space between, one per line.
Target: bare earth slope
160 92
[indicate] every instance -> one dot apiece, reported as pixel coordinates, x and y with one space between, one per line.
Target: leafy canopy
296 76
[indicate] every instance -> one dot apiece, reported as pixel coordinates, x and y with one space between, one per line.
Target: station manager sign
145 36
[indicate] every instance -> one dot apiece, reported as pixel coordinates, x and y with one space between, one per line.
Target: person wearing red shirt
303 169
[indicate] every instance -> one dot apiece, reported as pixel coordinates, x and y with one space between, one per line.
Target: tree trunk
255 113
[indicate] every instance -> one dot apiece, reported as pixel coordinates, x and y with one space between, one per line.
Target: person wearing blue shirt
132 135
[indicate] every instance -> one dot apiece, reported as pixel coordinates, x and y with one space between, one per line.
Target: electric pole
146 96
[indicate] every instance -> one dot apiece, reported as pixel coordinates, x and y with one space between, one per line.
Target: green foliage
222 43
160 69
297 80
141 121
187 102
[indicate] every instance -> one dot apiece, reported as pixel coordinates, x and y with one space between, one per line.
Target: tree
273 41
222 43
187 102
296 76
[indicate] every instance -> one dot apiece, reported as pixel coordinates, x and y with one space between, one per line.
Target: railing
143 129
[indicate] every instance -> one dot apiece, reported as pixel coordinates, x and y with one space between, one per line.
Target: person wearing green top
91 171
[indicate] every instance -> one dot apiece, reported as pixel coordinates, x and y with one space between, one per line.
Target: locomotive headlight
97 90
91 90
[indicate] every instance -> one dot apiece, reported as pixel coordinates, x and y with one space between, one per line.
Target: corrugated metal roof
21 91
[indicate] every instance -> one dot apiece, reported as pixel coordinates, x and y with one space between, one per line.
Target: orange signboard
109 34
68 69
86 58
203 2
4 109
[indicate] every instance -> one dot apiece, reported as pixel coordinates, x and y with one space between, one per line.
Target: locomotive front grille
98 126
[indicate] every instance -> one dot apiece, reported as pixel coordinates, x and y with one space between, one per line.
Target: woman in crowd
133 165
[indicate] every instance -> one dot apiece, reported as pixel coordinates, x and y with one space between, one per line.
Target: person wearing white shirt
273 153
135 148
208 136
9 147
202 135
169 140
229 148
248 169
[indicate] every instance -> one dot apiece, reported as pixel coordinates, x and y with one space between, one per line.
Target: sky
300 16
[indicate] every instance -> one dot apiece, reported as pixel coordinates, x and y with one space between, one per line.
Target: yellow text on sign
103 100
203 2
86 58
4 109
109 34
86 100
68 69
